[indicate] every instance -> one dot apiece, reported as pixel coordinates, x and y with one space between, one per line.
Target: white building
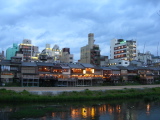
118 62
123 50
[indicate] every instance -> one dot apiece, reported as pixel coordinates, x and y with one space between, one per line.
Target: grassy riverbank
24 96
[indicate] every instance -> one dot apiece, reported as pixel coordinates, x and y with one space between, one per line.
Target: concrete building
54 53
91 52
27 50
118 62
103 60
146 58
121 49
2 57
11 52
66 56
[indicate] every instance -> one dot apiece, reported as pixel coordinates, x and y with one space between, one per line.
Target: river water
91 110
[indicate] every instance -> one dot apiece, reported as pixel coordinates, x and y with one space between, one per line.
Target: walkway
56 90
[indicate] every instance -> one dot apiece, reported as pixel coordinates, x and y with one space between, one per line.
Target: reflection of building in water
124 111
148 109
95 111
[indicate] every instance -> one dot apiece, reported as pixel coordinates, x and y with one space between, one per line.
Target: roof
44 64
97 67
57 66
122 68
114 68
78 66
5 62
29 64
106 68
131 68
64 66
154 68
87 65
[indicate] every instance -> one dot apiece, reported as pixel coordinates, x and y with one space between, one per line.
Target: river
91 110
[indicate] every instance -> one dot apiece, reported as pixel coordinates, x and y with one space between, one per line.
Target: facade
155 59
27 50
70 74
10 52
53 54
121 49
146 58
2 57
66 56
91 52
103 60
118 62
10 70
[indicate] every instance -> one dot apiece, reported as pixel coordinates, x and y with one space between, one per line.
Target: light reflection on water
137 110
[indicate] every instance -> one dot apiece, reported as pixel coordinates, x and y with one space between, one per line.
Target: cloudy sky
68 22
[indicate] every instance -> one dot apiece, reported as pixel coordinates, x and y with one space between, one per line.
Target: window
119 62
126 62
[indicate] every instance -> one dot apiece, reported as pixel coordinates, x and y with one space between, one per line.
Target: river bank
57 90
80 94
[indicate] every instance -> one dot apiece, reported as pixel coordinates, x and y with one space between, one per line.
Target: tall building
124 50
66 56
11 52
27 50
91 52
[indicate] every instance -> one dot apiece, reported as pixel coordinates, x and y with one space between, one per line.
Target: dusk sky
67 23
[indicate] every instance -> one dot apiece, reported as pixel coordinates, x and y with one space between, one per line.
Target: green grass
25 96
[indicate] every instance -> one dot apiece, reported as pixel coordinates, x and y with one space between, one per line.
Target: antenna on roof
157 48
143 50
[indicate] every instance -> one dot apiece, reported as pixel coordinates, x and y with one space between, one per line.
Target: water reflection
103 111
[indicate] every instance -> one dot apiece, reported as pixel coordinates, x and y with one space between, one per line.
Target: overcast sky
67 23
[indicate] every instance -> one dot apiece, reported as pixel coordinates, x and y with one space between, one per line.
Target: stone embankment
57 90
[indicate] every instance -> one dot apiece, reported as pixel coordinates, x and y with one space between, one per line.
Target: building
91 52
2 57
118 62
66 56
121 49
103 60
27 50
11 52
53 54
146 58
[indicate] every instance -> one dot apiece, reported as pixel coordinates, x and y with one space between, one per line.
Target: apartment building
123 49
27 50
91 52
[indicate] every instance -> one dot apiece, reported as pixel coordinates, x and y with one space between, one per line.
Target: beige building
91 52
66 56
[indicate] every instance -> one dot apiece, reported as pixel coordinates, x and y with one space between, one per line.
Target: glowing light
84 71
